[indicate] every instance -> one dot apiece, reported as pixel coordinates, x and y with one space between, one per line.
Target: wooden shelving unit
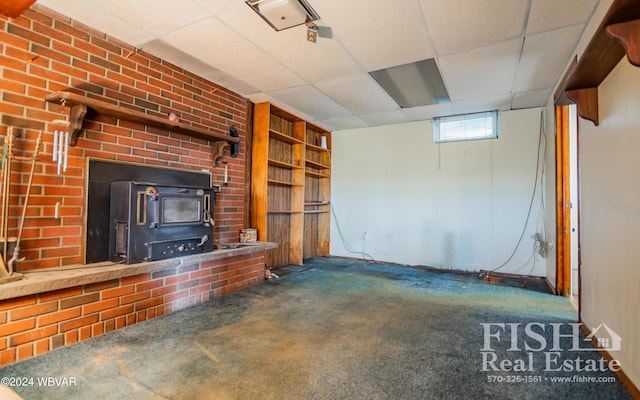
290 185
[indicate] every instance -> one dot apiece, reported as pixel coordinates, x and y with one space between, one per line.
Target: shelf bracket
586 103
76 119
218 151
628 33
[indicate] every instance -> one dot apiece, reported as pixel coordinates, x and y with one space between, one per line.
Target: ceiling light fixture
284 14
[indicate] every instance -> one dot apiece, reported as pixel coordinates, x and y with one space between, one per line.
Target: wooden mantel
79 105
618 34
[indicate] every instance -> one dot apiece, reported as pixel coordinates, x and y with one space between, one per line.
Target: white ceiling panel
156 18
552 14
94 16
488 58
457 25
163 50
482 72
311 101
540 64
361 94
227 51
536 98
385 118
349 122
428 112
502 103
314 62
378 34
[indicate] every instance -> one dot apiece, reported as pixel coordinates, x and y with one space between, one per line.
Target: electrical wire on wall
346 245
541 141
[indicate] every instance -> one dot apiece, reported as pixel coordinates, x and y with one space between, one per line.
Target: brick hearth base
71 305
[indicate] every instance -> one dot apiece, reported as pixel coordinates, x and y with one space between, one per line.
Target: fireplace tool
7 158
16 249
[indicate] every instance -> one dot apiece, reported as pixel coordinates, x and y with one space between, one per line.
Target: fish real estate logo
546 347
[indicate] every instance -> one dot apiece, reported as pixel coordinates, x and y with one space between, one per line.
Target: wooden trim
563 220
13 8
616 35
621 375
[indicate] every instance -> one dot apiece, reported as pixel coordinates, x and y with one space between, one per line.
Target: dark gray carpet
333 329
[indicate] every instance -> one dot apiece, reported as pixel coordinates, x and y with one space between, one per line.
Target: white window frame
456 128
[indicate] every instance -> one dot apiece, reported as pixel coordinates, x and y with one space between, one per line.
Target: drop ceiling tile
217 6
360 94
379 34
428 112
349 122
536 98
482 72
501 103
232 54
543 57
311 101
552 14
314 62
94 16
385 118
169 53
154 17
457 25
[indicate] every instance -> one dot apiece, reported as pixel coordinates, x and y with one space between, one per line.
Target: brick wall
43 52
32 325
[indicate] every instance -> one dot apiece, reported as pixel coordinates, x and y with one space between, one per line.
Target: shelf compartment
80 103
283 137
282 183
315 164
283 164
316 174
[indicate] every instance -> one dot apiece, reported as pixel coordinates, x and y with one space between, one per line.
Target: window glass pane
466 127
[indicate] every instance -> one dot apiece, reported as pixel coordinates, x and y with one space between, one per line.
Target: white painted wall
398 197
610 214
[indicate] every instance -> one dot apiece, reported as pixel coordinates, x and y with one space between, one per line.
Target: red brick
117 292
17 302
34 310
132 298
15 327
33 335
99 306
77 323
41 346
70 337
25 351
114 312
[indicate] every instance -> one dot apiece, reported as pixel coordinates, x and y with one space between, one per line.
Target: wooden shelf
284 138
316 203
283 183
616 36
282 164
316 174
80 104
316 148
315 164
282 160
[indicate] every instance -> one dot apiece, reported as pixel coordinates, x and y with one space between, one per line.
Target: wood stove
150 221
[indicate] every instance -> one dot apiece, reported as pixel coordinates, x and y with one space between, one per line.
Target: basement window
466 127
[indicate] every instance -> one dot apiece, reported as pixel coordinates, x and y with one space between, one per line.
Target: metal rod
7 194
16 249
